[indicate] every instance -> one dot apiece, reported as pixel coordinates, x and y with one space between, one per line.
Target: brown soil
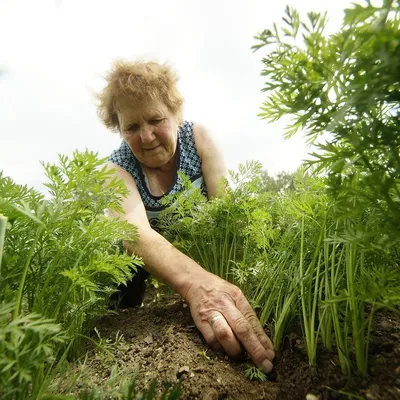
162 342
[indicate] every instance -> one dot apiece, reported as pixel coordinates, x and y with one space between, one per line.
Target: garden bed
161 342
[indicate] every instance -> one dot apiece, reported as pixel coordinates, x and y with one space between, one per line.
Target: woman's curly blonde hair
138 82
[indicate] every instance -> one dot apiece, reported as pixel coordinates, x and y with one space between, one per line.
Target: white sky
54 52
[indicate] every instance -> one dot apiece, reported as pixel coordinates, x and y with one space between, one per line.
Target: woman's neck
170 166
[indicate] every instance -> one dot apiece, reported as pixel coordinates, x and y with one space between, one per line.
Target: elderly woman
142 103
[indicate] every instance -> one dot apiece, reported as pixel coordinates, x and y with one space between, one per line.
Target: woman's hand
227 321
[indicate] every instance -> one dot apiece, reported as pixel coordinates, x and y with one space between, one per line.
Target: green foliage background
343 89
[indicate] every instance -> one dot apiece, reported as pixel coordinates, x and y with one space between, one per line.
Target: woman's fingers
250 341
224 335
218 334
209 335
248 312
224 316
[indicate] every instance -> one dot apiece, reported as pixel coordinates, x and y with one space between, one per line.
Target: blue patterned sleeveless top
188 161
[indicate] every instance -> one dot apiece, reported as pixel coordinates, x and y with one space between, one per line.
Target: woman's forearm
166 262
219 309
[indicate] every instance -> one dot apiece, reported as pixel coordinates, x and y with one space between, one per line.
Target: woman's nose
146 134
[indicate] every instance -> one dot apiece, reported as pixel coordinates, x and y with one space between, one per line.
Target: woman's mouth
152 148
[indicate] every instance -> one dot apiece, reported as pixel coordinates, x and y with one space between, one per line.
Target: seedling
255 374
203 353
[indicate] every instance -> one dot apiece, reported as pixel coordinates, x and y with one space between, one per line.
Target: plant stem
357 320
3 226
18 303
309 301
340 335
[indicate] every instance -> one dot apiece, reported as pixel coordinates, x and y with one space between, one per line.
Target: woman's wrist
167 263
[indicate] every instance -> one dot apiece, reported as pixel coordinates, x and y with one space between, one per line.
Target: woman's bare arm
212 160
219 309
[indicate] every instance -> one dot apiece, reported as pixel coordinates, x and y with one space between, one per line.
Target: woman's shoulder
193 131
202 137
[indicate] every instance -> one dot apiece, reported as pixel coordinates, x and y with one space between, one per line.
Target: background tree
281 182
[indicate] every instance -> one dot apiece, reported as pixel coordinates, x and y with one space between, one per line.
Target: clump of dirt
163 343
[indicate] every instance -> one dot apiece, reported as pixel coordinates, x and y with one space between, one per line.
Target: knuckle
203 314
265 342
259 355
205 311
223 333
242 327
252 318
225 301
237 293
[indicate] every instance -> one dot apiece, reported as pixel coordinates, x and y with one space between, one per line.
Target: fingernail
266 366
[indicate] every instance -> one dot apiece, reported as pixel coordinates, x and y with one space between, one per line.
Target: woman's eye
132 129
156 121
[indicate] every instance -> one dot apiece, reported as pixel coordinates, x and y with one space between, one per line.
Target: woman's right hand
227 321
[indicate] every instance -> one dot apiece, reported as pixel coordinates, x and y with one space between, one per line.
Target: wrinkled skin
227 321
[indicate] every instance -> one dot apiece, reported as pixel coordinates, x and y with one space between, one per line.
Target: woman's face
150 130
